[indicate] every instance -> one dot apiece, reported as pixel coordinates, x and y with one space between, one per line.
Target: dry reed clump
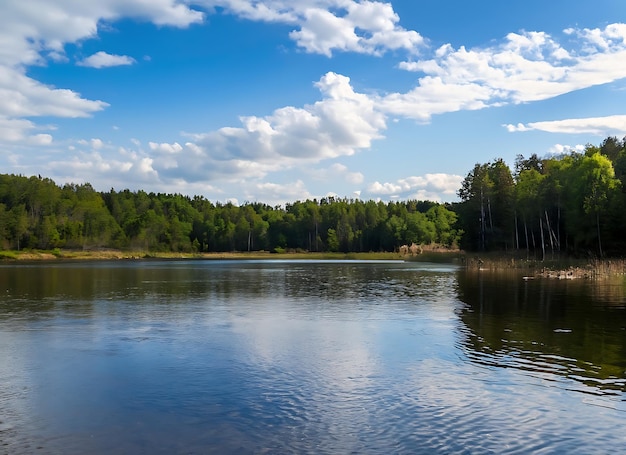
498 263
595 269
565 274
413 250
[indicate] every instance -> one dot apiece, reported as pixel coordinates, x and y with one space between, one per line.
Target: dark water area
260 357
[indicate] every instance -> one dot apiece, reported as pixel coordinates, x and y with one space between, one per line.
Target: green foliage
486 211
574 203
36 213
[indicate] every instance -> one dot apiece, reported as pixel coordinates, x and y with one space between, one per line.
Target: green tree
597 181
444 221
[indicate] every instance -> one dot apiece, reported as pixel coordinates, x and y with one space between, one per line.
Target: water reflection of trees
78 289
554 329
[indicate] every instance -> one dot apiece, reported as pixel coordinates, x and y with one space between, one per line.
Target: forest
38 214
572 204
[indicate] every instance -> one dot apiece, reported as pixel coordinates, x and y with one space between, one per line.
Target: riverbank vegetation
110 254
566 206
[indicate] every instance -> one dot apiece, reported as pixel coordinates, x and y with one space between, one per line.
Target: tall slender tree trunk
482 220
549 232
526 234
558 225
598 226
516 233
543 243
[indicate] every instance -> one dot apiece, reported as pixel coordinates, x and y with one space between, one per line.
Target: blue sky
277 101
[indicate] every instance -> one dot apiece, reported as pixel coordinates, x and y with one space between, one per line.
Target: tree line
37 213
572 204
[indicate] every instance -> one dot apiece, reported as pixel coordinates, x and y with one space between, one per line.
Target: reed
558 268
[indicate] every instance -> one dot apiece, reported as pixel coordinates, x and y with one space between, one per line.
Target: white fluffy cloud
600 126
36 31
30 31
560 149
336 172
18 131
342 172
324 26
435 96
434 187
23 96
104 60
277 194
529 66
525 67
343 122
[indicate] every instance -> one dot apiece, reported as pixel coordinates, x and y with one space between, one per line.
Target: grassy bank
57 254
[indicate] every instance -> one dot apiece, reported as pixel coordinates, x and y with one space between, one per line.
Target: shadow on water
558 330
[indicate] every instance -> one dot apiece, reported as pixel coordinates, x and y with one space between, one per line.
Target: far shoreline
12 256
557 267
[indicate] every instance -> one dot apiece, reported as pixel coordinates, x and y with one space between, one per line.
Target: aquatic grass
559 268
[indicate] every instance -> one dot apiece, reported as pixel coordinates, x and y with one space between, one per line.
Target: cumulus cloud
340 124
18 131
37 31
165 147
599 126
103 60
276 193
560 149
527 66
324 26
434 187
30 31
336 172
89 162
26 97
95 143
342 171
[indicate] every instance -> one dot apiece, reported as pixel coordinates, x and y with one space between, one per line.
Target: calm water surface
307 357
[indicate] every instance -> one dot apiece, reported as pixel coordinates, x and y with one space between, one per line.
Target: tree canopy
573 203
568 204
36 213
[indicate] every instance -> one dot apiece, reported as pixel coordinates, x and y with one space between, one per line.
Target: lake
318 357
